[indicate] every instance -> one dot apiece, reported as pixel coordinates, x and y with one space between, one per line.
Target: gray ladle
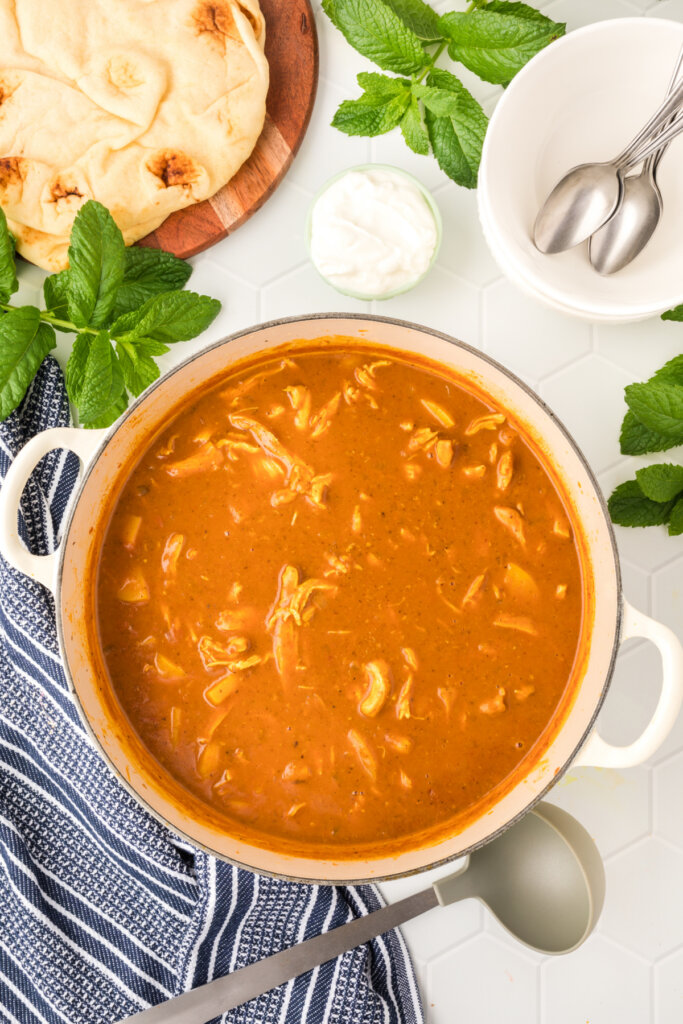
589 194
543 879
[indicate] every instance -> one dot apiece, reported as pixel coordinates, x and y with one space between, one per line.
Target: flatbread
145 105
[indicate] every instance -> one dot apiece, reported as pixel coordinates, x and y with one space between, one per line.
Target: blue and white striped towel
102 910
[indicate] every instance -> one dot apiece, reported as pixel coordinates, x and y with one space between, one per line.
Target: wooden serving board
292 52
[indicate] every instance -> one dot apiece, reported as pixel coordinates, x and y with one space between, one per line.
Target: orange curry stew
340 600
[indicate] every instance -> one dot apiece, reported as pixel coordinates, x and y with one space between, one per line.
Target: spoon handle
671 105
215 998
668 135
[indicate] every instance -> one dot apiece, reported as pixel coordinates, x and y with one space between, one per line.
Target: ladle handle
596 752
223 994
84 443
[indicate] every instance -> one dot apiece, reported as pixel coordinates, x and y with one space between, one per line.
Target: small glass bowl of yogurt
373 231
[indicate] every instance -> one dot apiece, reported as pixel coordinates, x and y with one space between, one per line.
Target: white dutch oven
104 453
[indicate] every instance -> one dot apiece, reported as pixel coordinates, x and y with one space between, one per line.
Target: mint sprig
432 107
653 423
125 306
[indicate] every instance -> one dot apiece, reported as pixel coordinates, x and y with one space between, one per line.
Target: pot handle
596 752
84 443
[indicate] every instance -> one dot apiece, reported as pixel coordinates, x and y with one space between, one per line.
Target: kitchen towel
103 910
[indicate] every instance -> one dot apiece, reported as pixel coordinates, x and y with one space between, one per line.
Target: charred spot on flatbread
174 168
214 20
11 172
62 190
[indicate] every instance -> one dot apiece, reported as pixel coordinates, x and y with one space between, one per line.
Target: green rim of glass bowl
429 200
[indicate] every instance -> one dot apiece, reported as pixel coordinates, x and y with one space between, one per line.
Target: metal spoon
589 194
543 879
631 226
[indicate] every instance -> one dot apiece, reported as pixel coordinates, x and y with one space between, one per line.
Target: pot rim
308 318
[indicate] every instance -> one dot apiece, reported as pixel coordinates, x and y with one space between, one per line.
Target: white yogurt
372 233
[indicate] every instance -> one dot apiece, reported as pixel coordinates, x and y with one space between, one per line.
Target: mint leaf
148 272
636 439
659 407
676 520
496 40
628 506
674 314
372 28
138 367
458 137
94 381
8 270
96 266
74 375
54 292
378 110
24 343
671 372
662 482
172 316
418 16
414 130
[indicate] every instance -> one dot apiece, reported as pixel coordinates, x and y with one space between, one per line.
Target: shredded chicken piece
235 393
223 784
504 471
489 422
401 744
493 453
379 688
206 458
561 591
366 758
356 520
475 472
438 412
406 781
473 589
422 439
512 521
214 653
506 436
365 375
409 657
235 446
404 698
340 565
321 420
167 449
171 553
294 809
406 425
267 468
523 692
518 622
299 477
561 529
300 398
496 705
290 610
443 453
296 771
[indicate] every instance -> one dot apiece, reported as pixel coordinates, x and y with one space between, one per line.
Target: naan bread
145 105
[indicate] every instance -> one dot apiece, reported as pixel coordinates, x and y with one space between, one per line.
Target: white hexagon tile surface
471 972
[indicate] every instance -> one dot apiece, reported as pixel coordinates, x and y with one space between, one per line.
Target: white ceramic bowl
580 100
